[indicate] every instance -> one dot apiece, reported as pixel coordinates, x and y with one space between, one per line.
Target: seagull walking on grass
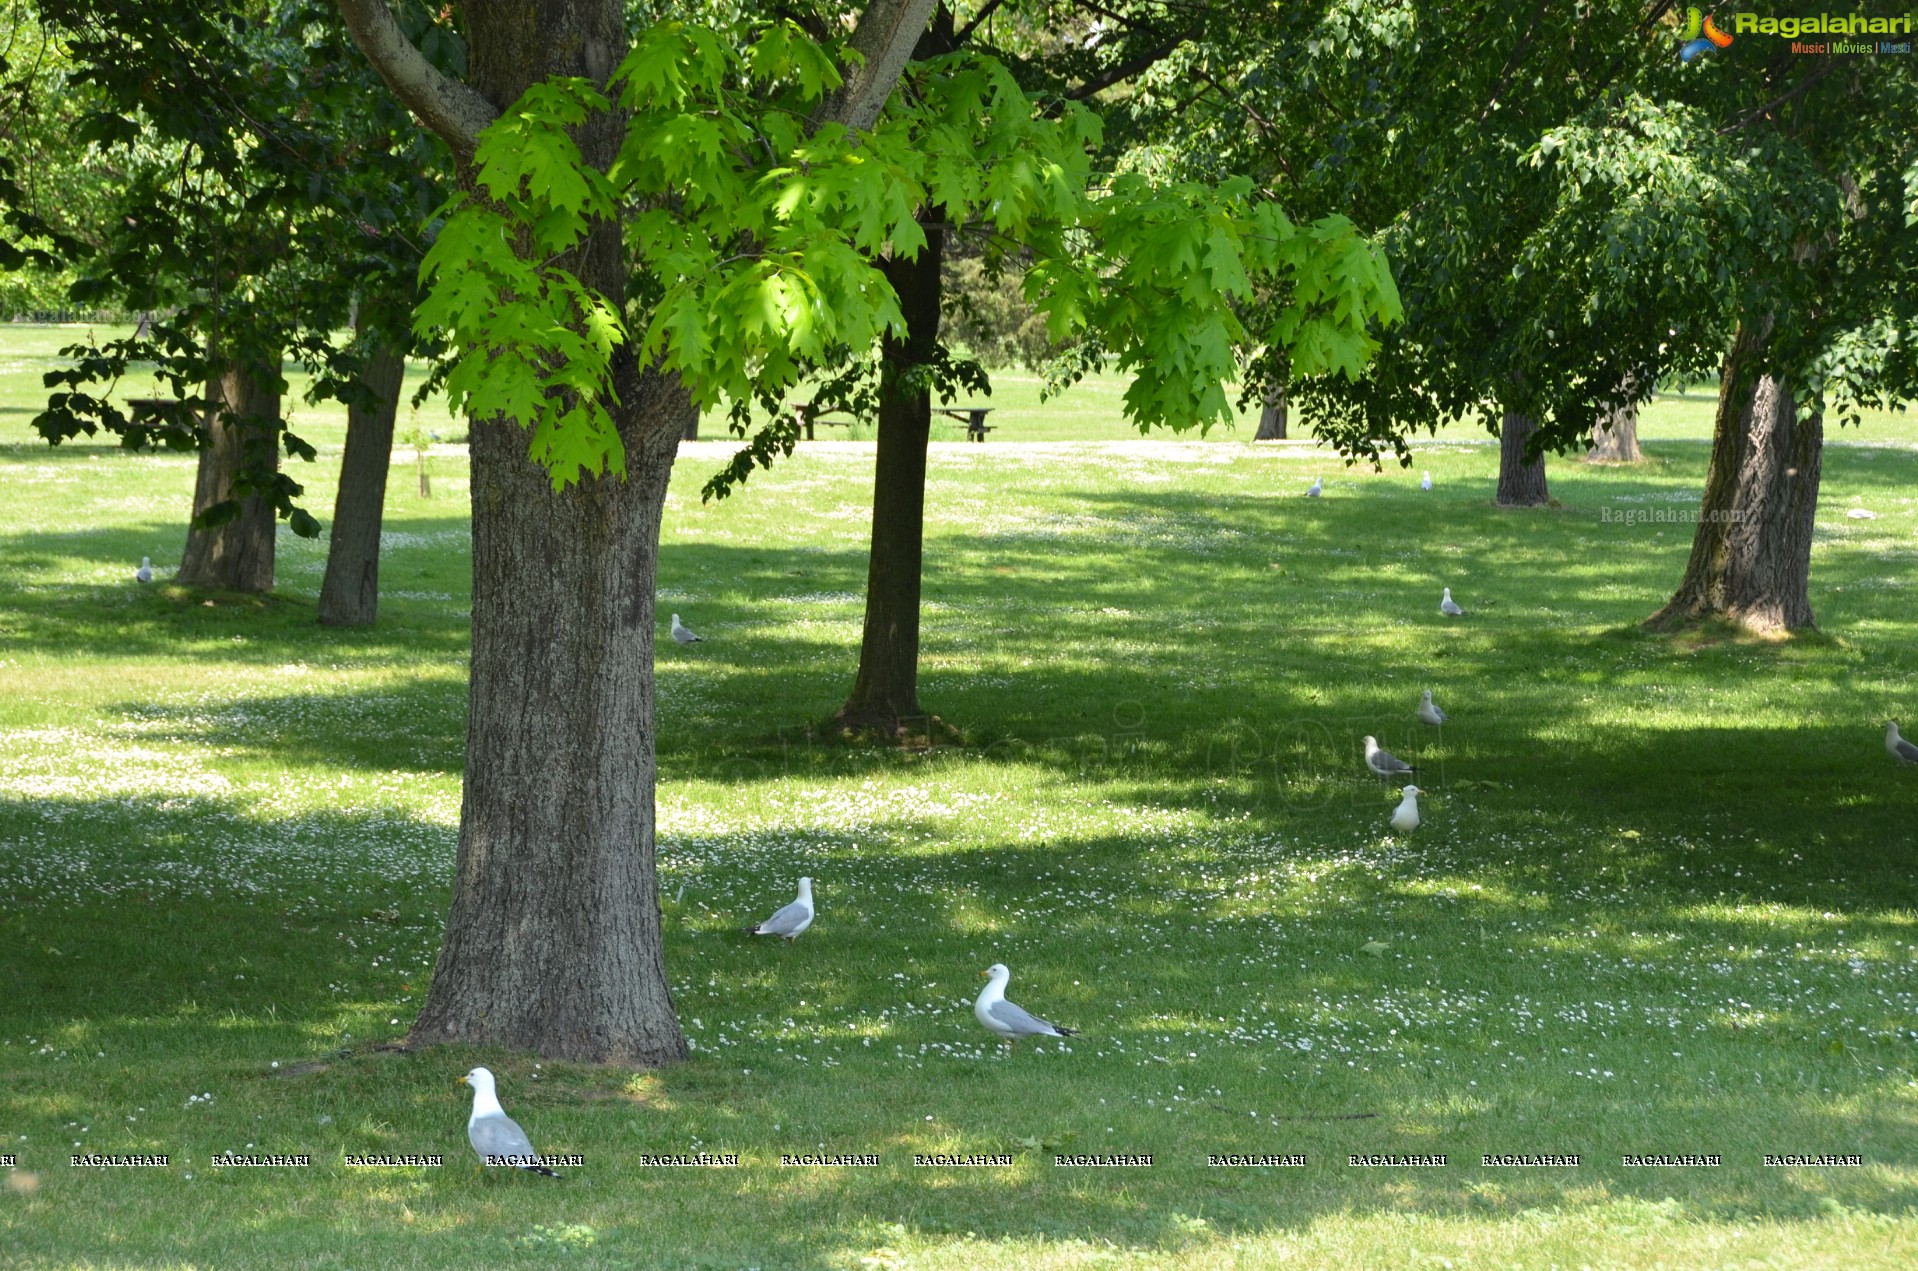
1384 763
1901 750
1429 712
1318 487
682 633
1449 607
494 1135
1405 817
145 572
1006 1020
788 920
1426 484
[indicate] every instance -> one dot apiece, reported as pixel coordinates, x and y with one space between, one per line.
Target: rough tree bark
1751 554
1615 436
1520 484
553 941
1272 420
350 592
236 555
885 691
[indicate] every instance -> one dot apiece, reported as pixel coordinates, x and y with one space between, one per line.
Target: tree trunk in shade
236 555
1520 484
885 690
1272 419
1615 436
1751 553
554 939
350 593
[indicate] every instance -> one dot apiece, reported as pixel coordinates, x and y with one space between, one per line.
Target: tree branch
1512 63
985 11
1830 65
448 107
887 31
1125 70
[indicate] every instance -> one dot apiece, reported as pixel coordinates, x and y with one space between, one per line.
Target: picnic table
159 411
807 417
975 419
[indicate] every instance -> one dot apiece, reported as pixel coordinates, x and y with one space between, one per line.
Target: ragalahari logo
1699 35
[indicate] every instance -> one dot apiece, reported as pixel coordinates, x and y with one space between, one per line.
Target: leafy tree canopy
1571 207
755 237
264 185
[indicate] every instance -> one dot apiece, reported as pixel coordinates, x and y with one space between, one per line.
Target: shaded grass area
1662 901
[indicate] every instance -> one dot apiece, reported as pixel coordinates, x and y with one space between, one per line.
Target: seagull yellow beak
459 1081
985 975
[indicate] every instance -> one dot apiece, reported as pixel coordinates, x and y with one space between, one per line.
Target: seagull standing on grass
1384 763
1901 750
1006 1020
1318 486
493 1134
682 633
145 572
1405 818
788 920
1427 483
1449 607
1428 710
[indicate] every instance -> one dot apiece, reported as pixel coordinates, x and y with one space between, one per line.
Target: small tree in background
252 213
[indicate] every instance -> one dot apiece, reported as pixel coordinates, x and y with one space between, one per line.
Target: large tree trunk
236 555
885 691
554 941
1520 484
1751 554
350 593
1615 436
1272 419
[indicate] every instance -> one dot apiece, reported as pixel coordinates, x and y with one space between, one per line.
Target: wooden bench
807 417
157 412
150 407
975 419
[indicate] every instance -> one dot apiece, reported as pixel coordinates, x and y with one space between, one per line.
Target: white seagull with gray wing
1901 750
788 920
1007 1021
1384 763
684 634
145 572
1428 710
1318 485
494 1135
1449 607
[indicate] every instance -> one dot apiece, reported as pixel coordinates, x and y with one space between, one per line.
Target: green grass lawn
1663 900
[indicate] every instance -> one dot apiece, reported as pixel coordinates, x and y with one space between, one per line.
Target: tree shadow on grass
1191 989
130 620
